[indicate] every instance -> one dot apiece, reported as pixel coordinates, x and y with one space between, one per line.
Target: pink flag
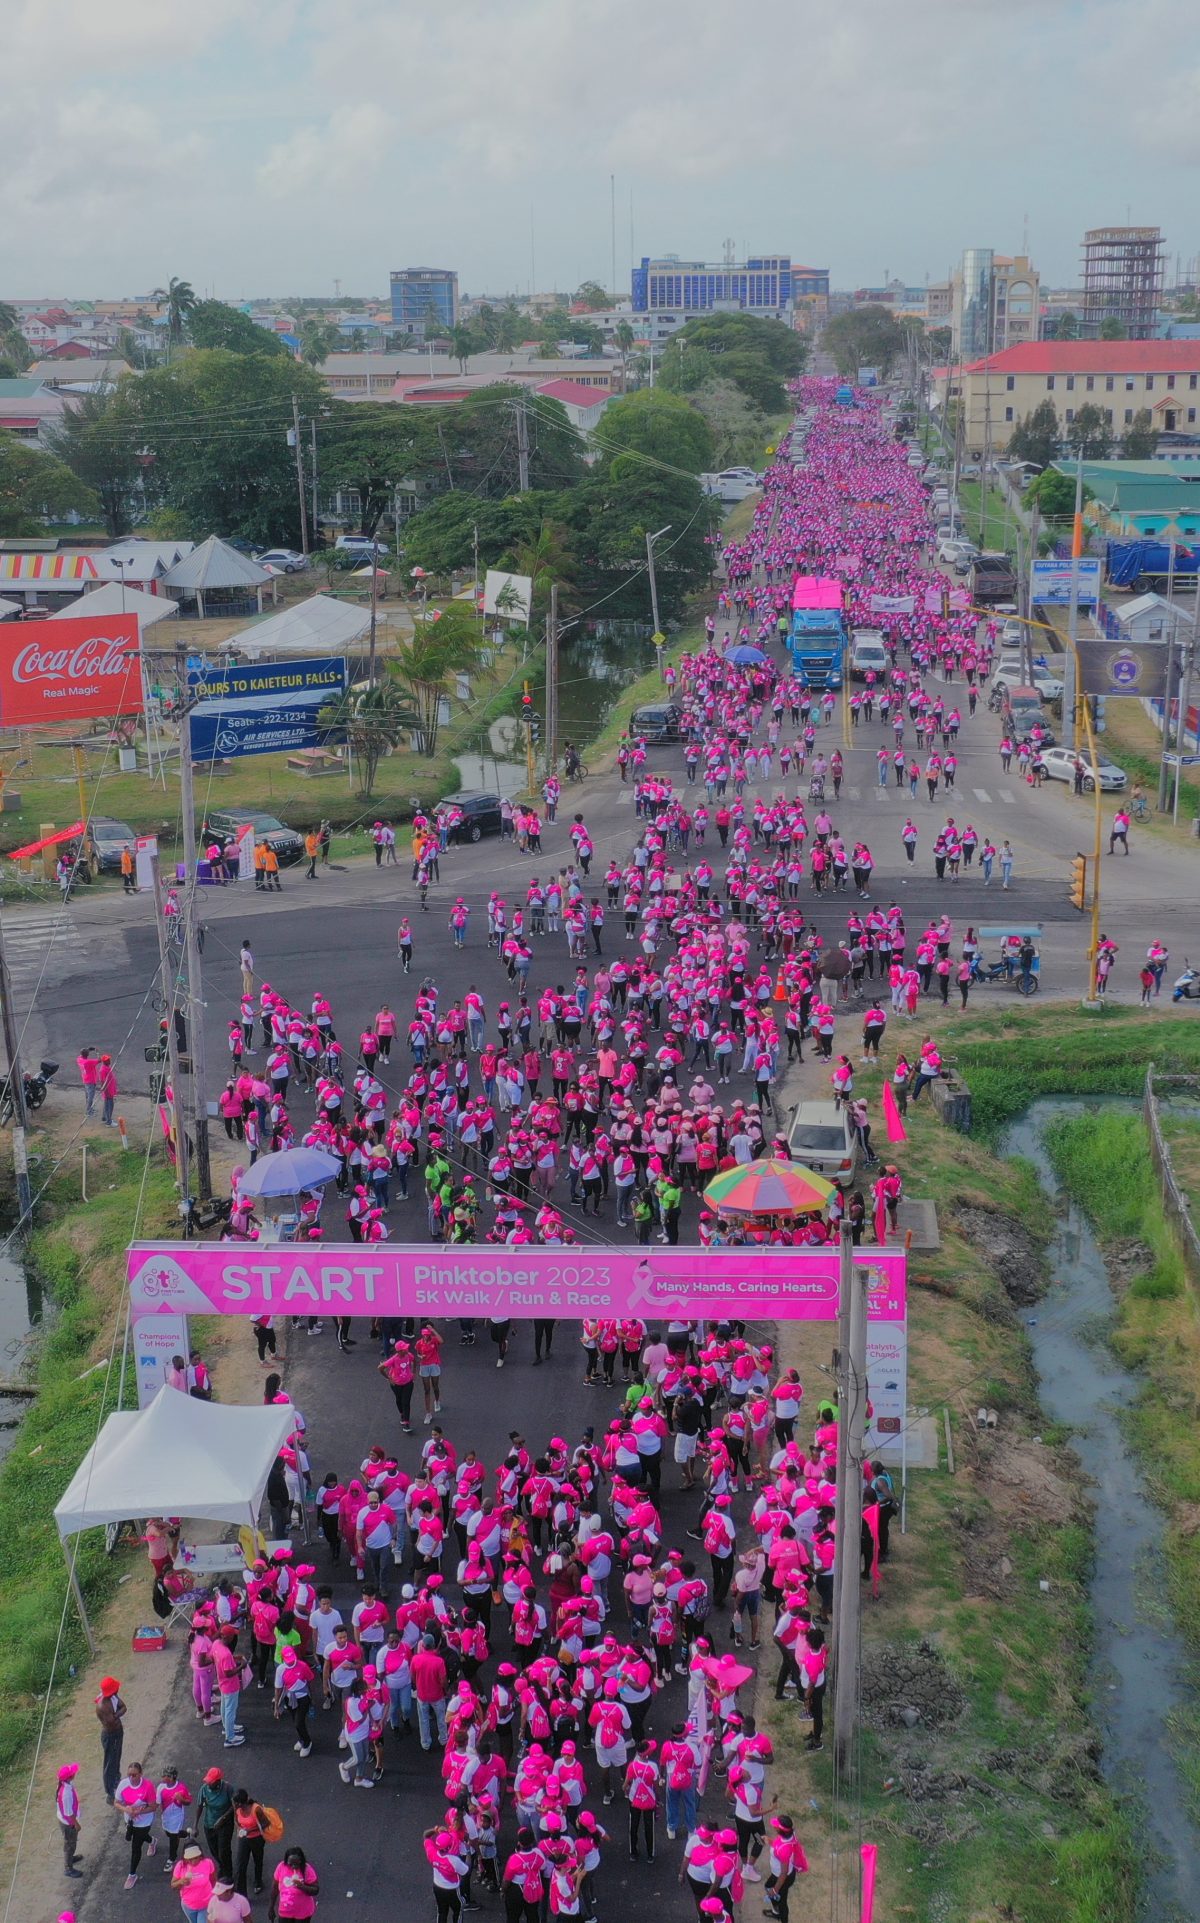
869 1853
896 1131
933 600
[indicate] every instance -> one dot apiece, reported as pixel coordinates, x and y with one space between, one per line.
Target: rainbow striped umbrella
768 1187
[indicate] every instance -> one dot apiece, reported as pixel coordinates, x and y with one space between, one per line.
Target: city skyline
272 161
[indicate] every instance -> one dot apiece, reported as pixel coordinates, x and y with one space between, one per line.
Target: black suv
657 721
288 845
110 838
480 815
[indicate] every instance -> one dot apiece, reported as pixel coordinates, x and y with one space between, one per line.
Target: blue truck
818 646
1127 563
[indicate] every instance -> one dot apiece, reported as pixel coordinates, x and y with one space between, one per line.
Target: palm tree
180 298
372 721
623 339
318 338
14 347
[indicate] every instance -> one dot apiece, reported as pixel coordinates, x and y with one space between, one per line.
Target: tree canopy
866 336
756 354
211 323
370 448
1037 437
1053 494
97 439
1139 442
36 487
660 425
1089 433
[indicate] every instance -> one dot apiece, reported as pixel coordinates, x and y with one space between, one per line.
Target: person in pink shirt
295 1889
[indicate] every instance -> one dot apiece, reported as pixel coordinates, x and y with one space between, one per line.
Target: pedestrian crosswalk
981 794
42 948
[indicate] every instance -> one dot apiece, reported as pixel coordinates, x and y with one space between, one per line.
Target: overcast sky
273 147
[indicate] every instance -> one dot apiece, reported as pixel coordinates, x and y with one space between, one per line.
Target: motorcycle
1187 985
35 1090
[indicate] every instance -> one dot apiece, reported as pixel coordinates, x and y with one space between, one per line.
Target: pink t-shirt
293 1899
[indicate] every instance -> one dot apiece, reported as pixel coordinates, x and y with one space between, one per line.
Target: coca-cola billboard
68 670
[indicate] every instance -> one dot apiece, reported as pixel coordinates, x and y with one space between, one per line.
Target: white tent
317 626
113 598
177 1457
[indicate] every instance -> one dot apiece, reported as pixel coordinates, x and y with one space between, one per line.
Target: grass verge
992 1805
79 1260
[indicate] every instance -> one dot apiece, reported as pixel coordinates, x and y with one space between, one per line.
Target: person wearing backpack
522 1881
642 1779
251 1823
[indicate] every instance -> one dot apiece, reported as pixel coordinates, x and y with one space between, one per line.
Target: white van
868 654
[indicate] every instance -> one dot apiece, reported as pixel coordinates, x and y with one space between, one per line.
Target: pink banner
395 1279
869 1853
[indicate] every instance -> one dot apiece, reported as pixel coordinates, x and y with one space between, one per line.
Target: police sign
1121 667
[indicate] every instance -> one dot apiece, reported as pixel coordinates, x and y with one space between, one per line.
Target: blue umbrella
744 656
289 1171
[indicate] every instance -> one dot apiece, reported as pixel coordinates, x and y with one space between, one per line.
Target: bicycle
577 772
1139 808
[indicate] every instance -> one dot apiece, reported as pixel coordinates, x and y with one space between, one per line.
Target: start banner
432 1279
70 669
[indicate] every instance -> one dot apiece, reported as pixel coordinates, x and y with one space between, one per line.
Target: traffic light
1079 882
535 729
527 707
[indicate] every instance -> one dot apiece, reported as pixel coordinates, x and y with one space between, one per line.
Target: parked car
360 544
109 837
822 1138
1023 711
949 530
970 470
1007 674
288 845
956 549
478 814
1060 766
284 560
658 721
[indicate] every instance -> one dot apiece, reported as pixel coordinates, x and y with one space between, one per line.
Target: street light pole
196 1041
16 1090
658 637
852 1414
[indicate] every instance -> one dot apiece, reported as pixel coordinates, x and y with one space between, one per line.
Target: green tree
1037 437
866 336
35 488
1053 494
547 555
443 643
442 536
369 448
213 323
318 339
179 296
1089 433
623 339
214 427
659 426
1139 442
1066 327
97 438
373 722
1111 329
465 341
740 431
610 515
938 342
480 441
14 348
559 326
592 296
757 354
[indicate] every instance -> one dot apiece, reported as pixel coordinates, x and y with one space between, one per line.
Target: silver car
1060 766
822 1138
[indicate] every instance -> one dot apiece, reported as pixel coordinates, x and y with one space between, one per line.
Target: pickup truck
993 578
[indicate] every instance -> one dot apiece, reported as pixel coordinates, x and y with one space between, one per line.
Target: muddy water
1142 1673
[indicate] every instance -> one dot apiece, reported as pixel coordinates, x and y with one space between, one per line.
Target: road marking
1006 794
981 794
38 941
624 797
855 794
881 795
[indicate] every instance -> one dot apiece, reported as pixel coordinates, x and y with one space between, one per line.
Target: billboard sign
1111 667
508 595
1050 582
270 708
281 679
69 670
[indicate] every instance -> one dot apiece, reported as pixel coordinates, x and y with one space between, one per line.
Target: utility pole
522 446
552 681
1185 696
16 1085
194 972
1071 689
852 1412
169 979
658 636
316 519
374 611
294 438
1172 643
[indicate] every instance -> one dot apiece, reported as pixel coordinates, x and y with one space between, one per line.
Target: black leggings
139 1839
645 1819
247 1850
402 1393
449 1904
517 1909
300 1719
